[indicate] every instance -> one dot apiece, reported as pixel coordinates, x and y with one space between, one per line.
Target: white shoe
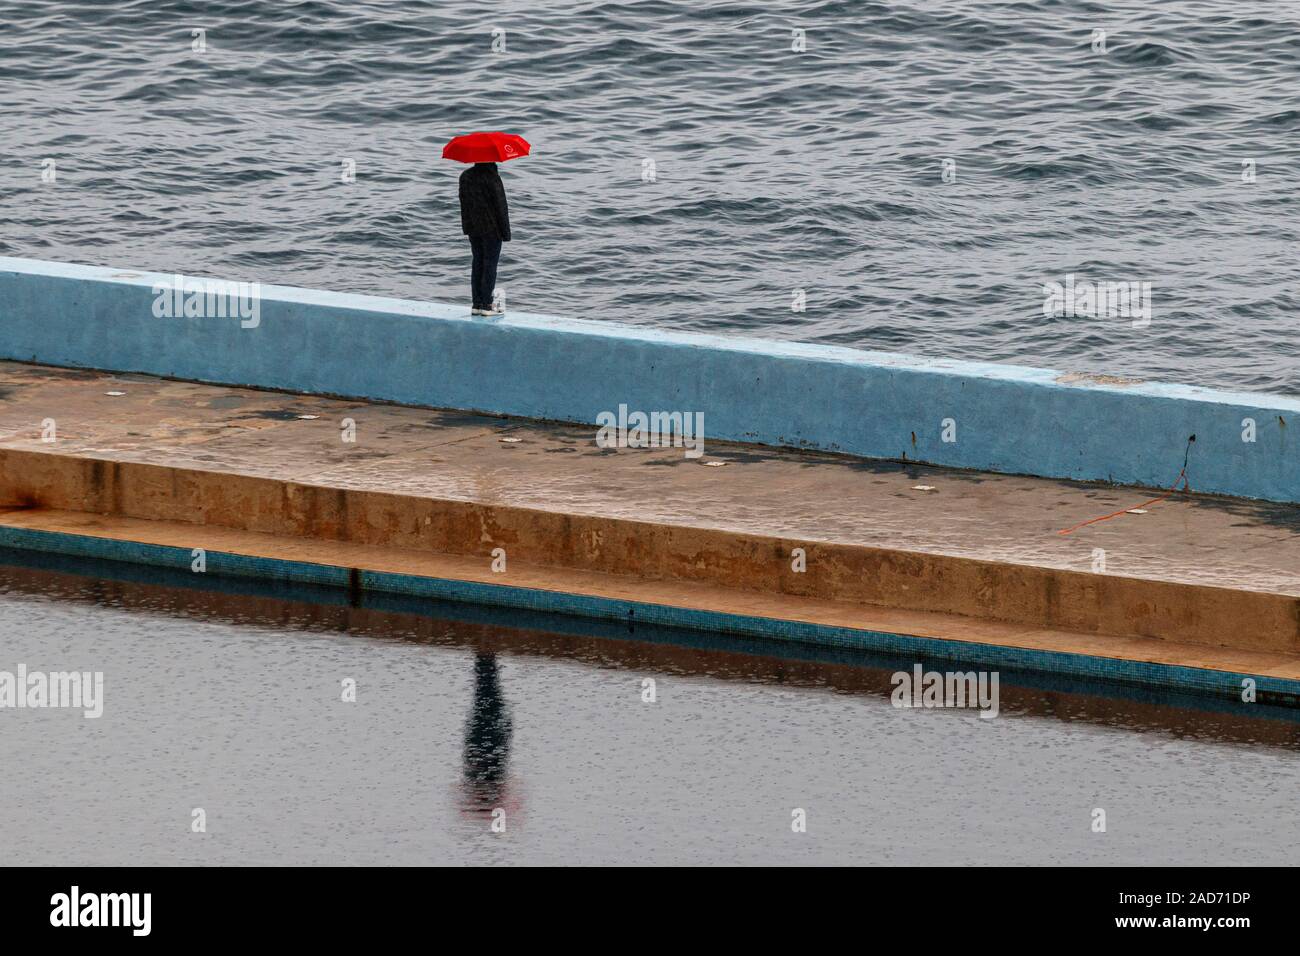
493 311
476 311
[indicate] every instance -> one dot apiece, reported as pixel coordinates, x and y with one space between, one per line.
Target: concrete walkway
1196 570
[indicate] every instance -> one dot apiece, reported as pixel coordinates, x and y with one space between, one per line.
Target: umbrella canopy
486 148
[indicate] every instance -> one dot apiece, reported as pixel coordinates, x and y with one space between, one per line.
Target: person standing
485 219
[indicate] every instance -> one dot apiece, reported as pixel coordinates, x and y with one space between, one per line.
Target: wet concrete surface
461 456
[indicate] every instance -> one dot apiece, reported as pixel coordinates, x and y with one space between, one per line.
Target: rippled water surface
232 704
774 170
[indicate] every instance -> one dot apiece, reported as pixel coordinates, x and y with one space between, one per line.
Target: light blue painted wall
1009 418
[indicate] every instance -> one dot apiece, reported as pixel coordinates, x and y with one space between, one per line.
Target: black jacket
483 212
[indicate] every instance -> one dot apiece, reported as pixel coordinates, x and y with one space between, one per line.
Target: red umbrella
486 148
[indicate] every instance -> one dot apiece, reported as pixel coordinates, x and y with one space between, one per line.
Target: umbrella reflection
487 740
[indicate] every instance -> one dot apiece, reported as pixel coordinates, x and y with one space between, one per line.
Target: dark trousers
483 271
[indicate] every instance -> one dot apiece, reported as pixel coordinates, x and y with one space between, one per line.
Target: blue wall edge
1201 681
1008 419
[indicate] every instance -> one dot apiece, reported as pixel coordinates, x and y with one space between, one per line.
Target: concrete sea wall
1076 601
982 416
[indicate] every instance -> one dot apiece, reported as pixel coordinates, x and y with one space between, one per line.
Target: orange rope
1182 476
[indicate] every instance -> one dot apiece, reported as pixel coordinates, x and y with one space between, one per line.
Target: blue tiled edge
1223 684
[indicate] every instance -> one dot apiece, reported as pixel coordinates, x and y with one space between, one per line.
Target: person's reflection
487 739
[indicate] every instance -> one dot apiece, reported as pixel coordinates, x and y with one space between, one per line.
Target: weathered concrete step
660 551
1192 569
362 567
